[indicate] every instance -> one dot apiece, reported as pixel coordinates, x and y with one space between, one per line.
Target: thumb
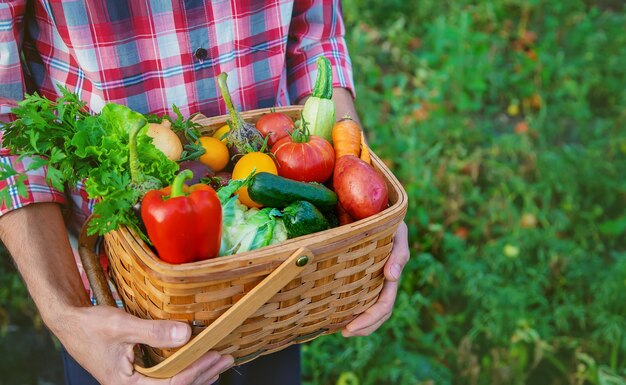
158 334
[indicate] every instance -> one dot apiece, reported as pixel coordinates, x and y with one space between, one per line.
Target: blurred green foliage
15 304
505 122
504 119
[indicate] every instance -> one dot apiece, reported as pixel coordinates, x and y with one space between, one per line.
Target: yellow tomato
254 160
221 132
216 155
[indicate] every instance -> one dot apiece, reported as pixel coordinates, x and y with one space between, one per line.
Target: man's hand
375 316
102 338
372 318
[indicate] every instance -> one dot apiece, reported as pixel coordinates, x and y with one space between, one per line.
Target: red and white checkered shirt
153 54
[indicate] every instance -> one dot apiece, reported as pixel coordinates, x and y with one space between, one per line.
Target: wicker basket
294 300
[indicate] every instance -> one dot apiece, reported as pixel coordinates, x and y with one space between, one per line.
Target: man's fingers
212 374
368 324
399 254
192 375
381 310
200 372
158 334
196 370
369 329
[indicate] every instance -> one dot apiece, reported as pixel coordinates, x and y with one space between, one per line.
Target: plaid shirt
152 54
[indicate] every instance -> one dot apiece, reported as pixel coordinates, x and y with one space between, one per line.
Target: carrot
365 151
346 138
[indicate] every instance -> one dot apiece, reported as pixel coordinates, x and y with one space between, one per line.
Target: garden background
505 120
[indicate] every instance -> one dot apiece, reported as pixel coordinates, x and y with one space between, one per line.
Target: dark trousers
281 368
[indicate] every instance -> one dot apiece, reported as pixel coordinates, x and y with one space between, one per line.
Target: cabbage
246 229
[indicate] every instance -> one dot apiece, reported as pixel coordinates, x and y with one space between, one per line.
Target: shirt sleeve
316 29
12 90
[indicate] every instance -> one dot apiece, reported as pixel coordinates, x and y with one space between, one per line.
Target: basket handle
232 318
219 328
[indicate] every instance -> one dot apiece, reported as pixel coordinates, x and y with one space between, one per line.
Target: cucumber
302 218
275 191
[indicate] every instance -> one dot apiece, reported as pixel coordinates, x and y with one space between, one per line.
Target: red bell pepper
184 226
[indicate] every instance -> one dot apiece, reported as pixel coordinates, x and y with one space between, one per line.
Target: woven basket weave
344 278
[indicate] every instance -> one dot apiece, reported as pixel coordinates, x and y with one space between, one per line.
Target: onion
199 169
165 140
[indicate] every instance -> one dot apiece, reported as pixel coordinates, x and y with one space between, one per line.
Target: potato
361 190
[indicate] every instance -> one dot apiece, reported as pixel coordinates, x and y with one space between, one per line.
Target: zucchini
319 109
302 218
275 191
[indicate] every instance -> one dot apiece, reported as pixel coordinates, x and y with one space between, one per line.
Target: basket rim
396 210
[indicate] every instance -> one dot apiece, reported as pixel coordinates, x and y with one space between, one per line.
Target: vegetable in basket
167 134
276 191
139 181
253 162
275 126
220 179
221 133
243 137
247 229
183 226
77 146
302 218
348 139
165 139
319 109
362 191
199 169
304 157
216 153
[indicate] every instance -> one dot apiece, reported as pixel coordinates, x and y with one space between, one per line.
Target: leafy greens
75 146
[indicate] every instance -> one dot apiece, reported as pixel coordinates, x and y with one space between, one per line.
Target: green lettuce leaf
76 146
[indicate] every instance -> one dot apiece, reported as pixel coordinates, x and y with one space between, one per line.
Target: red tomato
276 125
311 161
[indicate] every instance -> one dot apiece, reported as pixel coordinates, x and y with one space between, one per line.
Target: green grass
505 122
504 119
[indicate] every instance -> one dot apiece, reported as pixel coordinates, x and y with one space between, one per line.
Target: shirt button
201 54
